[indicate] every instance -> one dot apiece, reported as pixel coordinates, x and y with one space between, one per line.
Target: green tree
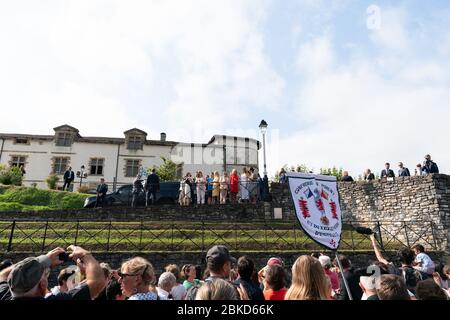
332 172
168 171
298 168
11 175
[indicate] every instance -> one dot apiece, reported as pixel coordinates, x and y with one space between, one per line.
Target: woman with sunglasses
137 279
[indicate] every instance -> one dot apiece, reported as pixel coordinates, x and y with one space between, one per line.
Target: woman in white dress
243 185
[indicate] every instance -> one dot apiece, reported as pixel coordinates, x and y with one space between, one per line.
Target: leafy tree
332 172
168 171
11 175
298 168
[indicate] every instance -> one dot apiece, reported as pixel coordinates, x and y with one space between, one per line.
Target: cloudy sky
350 83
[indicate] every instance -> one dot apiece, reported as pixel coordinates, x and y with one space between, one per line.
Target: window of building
134 143
18 161
132 168
21 141
60 165
64 139
97 166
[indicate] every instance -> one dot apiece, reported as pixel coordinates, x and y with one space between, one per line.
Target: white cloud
371 109
157 65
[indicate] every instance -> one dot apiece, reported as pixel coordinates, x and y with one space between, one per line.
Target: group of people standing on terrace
428 167
219 188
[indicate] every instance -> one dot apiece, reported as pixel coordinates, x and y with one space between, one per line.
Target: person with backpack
405 256
218 263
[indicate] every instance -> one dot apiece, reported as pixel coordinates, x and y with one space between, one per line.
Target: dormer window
64 139
21 141
135 139
134 143
65 135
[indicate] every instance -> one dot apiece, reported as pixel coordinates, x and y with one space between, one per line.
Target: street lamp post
263 128
81 174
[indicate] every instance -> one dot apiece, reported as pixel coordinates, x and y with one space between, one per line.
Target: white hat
325 261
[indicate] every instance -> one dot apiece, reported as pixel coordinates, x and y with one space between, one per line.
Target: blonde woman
201 188
309 281
224 182
137 279
244 185
216 188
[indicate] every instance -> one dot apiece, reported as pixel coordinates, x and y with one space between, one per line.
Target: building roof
111 140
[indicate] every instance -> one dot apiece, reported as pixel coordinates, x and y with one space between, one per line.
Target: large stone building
118 160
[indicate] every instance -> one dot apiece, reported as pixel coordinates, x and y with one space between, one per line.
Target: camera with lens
363 230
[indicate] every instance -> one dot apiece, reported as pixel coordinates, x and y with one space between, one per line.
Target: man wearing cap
218 263
28 279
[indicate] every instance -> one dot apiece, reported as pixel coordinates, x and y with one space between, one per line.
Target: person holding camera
429 166
28 279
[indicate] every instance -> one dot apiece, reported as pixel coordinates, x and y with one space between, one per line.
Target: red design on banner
333 210
324 195
319 204
304 207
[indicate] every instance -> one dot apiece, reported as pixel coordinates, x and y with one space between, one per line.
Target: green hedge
32 199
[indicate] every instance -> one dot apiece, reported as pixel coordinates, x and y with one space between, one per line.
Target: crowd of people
221 188
312 277
428 167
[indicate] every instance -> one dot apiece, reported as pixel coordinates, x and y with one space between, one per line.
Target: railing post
171 245
353 242
140 236
294 227
8 249
406 233
76 232
379 233
203 236
434 236
45 235
109 235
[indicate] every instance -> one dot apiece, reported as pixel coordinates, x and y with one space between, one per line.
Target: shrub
28 196
52 180
10 175
83 189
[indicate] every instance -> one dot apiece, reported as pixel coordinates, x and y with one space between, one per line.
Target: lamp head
263 126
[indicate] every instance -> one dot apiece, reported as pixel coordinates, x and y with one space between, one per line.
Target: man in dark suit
387 173
402 171
69 176
152 185
429 166
102 189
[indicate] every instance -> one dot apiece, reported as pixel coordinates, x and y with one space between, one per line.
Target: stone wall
228 212
410 205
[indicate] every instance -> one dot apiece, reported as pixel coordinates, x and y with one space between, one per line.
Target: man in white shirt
422 262
166 282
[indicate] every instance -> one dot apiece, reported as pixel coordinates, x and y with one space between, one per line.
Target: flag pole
343 276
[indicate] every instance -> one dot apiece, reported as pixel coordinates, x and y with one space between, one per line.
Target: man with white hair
369 287
325 261
166 282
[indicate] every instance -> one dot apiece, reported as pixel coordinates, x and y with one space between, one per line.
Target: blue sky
346 83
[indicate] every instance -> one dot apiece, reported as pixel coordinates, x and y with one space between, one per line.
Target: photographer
28 279
429 166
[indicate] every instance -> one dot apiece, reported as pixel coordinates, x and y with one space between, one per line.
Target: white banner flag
316 202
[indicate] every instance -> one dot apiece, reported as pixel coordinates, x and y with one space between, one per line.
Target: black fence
160 236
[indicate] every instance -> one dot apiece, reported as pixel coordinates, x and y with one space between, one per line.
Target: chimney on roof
163 137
